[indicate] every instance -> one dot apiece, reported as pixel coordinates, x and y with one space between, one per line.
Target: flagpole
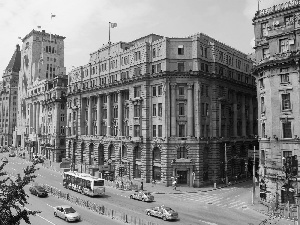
109 33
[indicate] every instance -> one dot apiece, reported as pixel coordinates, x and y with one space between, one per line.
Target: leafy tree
13 197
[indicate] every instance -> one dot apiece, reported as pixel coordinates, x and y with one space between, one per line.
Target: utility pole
253 192
226 177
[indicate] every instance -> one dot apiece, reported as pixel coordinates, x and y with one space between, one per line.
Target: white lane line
208 222
42 217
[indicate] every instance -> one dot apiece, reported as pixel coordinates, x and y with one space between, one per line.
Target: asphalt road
220 207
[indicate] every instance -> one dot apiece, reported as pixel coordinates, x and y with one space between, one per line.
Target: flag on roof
39 27
52 15
113 25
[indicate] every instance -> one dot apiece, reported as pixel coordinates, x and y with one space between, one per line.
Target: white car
67 213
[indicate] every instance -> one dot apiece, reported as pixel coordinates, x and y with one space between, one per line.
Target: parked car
67 213
163 212
4 160
142 196
37 159
12 154
38 191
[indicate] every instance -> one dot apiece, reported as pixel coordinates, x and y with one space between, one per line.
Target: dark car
38 191
12 154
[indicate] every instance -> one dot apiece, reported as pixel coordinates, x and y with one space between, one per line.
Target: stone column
34 118
220 118
173 109
71 125
30 106
120 113
190 111
250 115
235 115
109 116
244 130
99 114
90 119
37 128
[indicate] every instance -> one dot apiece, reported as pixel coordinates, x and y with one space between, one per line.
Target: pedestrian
142 185
174 185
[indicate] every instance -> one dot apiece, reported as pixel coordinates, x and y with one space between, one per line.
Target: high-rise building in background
42 90
9 99
163 108
278 89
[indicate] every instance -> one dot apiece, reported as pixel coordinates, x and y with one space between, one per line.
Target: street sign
251 153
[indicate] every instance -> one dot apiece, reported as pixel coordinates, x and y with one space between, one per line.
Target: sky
84 23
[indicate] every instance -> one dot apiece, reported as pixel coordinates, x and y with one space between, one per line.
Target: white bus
84 183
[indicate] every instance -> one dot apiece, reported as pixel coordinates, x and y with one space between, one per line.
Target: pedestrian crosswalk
212 199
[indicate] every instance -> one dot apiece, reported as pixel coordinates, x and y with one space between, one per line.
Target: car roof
64 206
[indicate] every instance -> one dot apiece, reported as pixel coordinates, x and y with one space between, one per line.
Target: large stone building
9 99
42 90
160 108
277 41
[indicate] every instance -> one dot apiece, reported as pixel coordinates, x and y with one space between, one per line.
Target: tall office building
42 89
163 108
9 99
277 71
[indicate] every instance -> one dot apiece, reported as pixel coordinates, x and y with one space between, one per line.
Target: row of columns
34 116
190 112
109 114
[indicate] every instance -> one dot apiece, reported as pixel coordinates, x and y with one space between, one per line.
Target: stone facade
42 95
9 99
277 72
162 108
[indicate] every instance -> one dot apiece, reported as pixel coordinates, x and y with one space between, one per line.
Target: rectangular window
160 109
154 131
207 109
136 132
159 90
202 67
136 109
181 67
137 91
207 131
181 130
287 129
206 90
264 29
261 83
286 103
154 110
159 130
158 67
181 90
283 45
284 75
154 91
263 130
203 109
181 109
221 56
262 157
266 53
180 50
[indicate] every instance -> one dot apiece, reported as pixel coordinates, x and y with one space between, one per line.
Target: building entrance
182 177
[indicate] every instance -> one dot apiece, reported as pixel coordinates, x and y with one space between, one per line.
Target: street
231 205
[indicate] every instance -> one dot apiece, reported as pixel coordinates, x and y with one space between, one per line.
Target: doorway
182 177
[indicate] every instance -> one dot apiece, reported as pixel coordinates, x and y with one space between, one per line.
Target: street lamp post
226 177
253 192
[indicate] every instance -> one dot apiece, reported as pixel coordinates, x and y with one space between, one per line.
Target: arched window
101 155
91 154
181 152
156 154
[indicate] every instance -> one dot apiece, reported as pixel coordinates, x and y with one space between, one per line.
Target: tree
13 197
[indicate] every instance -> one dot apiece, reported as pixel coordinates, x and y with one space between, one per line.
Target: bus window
98 182
88 184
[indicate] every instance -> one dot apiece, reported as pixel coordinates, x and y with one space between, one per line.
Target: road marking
208 222
42 217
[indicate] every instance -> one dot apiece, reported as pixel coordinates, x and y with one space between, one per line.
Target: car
163 212
4 160
142 196
67 213
37 159
38 191
12 154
